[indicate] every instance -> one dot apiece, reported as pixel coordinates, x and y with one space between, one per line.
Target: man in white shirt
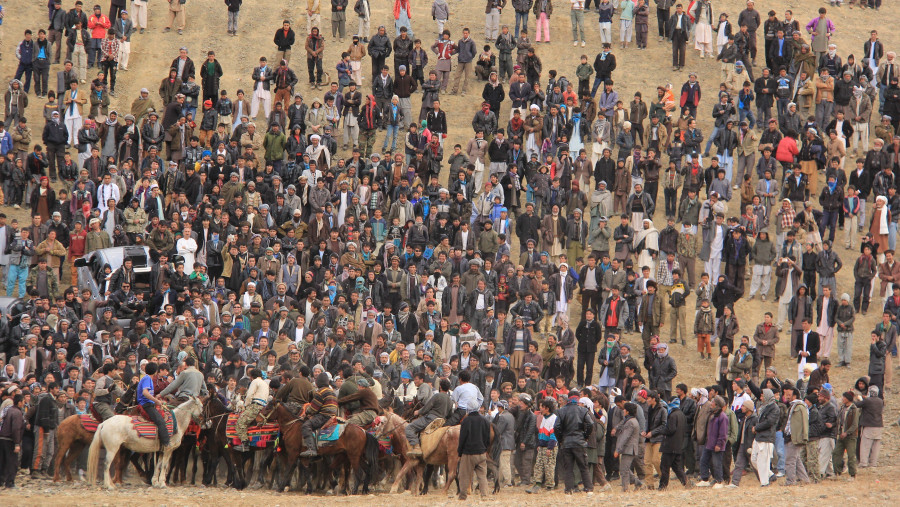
105 192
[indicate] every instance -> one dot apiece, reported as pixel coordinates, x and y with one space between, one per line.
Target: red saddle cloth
145 427
260 436
89 422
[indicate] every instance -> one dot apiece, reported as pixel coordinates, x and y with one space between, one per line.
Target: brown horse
392 426
291 442
72 438
445 454
354 447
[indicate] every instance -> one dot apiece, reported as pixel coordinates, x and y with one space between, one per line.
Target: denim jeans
713 459
712 137
779 451
392 131
16 274
746 114
523 18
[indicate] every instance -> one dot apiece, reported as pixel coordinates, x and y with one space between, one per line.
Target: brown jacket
771 338
824 89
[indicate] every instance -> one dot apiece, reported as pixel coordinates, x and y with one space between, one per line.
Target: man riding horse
255 400
106 392
320 410
190 383
368 407
439 405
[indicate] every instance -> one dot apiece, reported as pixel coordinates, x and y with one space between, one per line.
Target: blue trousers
16 274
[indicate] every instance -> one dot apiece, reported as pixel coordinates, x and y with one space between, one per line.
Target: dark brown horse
350 451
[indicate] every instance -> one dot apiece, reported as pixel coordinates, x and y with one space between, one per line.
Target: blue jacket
6 144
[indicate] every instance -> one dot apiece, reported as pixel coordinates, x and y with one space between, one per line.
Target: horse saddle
431 436
260 435
147 429
331 431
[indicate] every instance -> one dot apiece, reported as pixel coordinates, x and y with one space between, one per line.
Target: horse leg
194 455
111 450
163 466
452 462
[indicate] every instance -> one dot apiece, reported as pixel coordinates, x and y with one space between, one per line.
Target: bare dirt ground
637 70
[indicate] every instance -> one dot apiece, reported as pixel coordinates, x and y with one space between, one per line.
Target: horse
215 417
445 454
72 438
393 427
118 431
291 442
352 448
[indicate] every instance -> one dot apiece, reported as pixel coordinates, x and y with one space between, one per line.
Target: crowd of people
494 277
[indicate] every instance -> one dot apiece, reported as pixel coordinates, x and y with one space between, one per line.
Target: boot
415 452
311 451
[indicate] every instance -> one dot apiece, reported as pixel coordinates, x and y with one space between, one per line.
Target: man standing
796 435
768 416
12 428
588 335
847 428
574 425
465 50
176 15
474 441
679 29
262 78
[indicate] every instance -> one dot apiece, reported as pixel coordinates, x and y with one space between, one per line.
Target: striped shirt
324 402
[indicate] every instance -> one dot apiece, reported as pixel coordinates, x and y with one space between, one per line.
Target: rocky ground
638 70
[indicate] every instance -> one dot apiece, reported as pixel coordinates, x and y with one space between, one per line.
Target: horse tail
94 455
371 454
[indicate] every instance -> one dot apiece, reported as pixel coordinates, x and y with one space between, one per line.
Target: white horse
118 431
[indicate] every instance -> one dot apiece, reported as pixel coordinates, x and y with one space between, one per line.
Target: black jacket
474 435
284 42
588 335
675 430
526 428
574 425
767 423
657 424
55 133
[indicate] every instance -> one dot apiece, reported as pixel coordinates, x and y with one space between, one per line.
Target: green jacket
798 420
274 145
52 281
732 426
97 240
135 220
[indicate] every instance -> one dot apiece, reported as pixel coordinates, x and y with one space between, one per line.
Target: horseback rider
322 408
438 406
149 402
368 406
295 391
106 391
256 398
467 397
189 383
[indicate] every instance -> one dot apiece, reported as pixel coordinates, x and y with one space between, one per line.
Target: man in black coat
574 425
673 444
55 137
588 335
807 345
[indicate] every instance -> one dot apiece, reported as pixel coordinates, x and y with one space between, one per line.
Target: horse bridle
394 428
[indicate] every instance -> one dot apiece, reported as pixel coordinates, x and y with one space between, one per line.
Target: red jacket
98 26
787 150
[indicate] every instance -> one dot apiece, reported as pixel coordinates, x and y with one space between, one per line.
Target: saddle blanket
331 431
146 429
260 436
90 424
